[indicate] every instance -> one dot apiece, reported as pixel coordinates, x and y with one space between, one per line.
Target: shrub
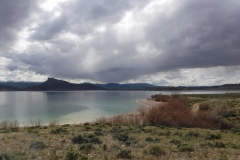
160 97
37 145
149 139
53 124
192 134
95 140
123 136
176 142
125 154
71 155
12 155
128 143
219 145
36 124
79 139
86 148
87 128
58 130
204 106
185 148
86 124
104 147
155 150
213 145
12 125
174 113
98 133
210 136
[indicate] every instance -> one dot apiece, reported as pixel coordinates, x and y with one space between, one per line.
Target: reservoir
74 107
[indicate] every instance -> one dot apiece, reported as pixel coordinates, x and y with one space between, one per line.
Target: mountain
7 88
20 84
128 86
59 85
230 86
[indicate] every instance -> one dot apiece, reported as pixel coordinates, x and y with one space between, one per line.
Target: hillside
128 86
20 84
59 85
6 88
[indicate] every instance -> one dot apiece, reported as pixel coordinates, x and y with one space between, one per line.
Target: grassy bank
170 131
107 141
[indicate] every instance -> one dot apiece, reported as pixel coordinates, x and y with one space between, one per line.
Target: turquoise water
71 107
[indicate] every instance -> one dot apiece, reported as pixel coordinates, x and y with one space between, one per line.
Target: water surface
73 107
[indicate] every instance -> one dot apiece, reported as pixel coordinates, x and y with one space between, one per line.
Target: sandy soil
195 108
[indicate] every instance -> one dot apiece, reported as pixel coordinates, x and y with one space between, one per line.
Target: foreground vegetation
182 111
184 127
107 141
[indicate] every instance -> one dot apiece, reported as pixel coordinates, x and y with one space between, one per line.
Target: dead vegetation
177 112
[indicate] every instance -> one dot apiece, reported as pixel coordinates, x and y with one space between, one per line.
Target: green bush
185 148
95 140
98 133
192 134
156 150
37 145
79 139
149 139
176 142
213 145
104 147
86 148
210 136
128 143
12 156
125 154
58 131
123 136
71 155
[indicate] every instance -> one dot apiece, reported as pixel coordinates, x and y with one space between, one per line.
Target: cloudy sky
163 42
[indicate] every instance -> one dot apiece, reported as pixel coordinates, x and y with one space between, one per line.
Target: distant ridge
7 88
230 86
53 84
20 84
128 86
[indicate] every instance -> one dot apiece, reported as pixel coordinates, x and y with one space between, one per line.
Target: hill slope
59 85
20 84
128 86
7 88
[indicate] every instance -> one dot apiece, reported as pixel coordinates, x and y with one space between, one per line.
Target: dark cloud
119 40
12 17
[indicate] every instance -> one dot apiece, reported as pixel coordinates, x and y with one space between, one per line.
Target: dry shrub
102 120
160 97
9 124
204 106
176 112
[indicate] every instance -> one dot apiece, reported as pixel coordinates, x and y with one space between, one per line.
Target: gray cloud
13 15
124 40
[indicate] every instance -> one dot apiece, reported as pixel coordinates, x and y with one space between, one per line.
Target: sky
161 42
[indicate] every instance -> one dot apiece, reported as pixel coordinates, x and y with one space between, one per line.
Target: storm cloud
156 41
